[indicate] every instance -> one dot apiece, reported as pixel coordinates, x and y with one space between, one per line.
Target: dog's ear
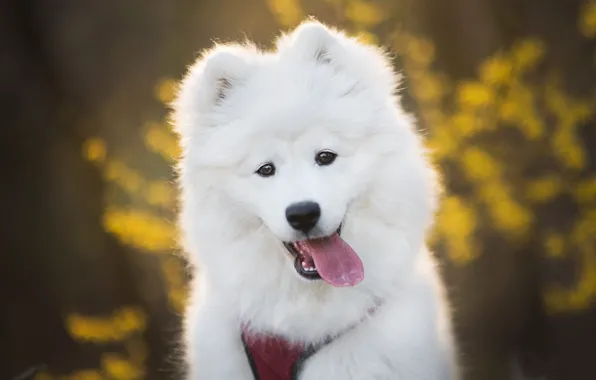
368 66
209 83
315 42
224 69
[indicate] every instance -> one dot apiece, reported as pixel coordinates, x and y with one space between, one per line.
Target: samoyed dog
306 197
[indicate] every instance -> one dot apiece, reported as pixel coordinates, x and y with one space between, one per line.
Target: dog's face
298 141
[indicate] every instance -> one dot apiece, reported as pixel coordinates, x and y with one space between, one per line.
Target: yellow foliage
288 12
140 229
507 215
443 142
587 21
118 327
475 94
526 53
479 165
583 295
128 179
165 90
364 13
94 149
544 189
177 290
585 229
429 88
368 38
160 193
511 217
568 149
518 107
465 123
456 223
177 299
420 50
496 70
120 369
159 139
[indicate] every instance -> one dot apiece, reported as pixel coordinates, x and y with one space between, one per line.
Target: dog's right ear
210 82
225 68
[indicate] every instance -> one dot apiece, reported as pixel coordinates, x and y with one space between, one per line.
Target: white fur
238 108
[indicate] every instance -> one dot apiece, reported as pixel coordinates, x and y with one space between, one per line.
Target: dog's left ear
368 66
312 41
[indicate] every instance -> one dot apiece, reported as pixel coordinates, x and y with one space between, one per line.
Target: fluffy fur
239 107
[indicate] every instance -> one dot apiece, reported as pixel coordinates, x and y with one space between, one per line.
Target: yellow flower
364 13
544 189
94 149
474 94
288 12
140 228
479 165
587 22
531 126
568 149
496 70
117 327
160 193
527 53
456 223
165 91
511 217
178 298
465 123
161 140
428 88
509 110
421 51
120 369
584 229
443 141
368 38
582 296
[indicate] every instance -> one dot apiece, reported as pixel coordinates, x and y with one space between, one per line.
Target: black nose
303 216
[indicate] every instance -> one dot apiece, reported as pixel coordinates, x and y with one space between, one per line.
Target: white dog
305 200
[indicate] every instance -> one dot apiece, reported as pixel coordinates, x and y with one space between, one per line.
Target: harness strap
274 358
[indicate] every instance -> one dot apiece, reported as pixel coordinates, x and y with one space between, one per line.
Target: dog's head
307 145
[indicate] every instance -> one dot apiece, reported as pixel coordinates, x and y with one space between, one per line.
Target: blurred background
92 284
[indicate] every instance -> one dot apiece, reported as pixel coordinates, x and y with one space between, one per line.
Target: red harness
274 358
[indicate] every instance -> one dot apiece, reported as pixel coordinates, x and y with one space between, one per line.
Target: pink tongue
336 261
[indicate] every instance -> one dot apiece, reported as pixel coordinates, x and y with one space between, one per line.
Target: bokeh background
92 284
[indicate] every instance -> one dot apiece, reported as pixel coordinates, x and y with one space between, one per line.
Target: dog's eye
325 157
266 170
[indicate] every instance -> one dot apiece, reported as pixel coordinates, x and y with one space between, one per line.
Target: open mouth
328 258
303 261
